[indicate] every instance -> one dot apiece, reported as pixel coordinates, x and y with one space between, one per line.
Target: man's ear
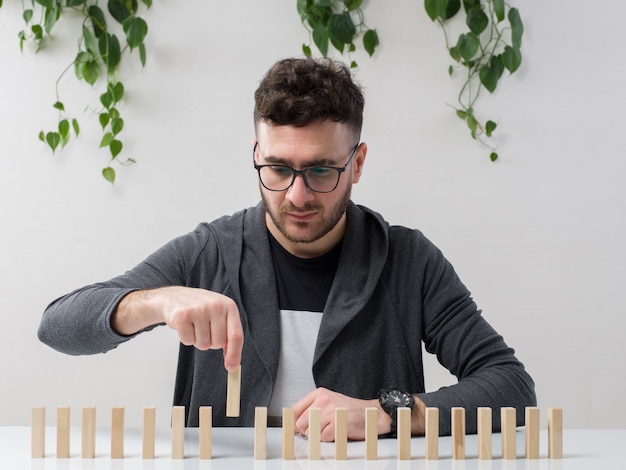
358 162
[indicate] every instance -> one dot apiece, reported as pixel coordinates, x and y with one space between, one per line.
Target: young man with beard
321 301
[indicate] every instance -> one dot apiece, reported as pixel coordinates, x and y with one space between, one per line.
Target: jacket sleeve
80 322
488 372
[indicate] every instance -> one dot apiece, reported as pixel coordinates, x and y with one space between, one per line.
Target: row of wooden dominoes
508 433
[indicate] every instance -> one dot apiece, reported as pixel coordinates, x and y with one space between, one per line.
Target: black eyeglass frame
295 173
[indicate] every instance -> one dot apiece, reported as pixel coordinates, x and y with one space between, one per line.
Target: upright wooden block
178 432
117 432
532 433
508 420
63 432
38 433
432 433
458 433
315 446
88 444
260 433
371 433
205 433
341 434
289 425
233 391
404 433
148 432
485 432
555 433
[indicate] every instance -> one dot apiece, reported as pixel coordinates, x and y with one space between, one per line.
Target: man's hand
202 318
328 401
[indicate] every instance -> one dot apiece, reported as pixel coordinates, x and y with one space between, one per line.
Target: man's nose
299 193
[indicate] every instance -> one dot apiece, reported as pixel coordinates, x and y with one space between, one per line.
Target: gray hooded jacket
393 291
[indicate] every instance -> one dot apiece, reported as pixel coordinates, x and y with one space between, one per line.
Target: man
321 301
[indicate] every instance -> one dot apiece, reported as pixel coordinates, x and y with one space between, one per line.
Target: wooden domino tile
555 433
38 432
403 430
371 433
63 432
458 433
117 432
532 433
178 432
88 444
148 432
205 432
432 433
508 420
288 434
233 391
341 434
260 433
485 431
314 434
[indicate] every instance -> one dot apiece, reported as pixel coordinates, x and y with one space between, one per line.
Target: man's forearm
136 311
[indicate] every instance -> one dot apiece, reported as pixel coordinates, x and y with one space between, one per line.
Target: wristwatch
390 400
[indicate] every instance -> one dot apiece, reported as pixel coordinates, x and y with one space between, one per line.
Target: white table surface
233 450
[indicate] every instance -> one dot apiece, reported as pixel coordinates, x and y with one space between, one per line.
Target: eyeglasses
319 178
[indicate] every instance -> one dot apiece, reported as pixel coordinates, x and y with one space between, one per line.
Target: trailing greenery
338 22
107 35
491 44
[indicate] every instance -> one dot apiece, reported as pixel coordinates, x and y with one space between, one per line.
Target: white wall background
538 237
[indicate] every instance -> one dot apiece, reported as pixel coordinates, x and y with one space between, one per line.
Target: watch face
392 399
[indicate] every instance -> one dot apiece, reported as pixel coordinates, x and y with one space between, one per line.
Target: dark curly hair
300 91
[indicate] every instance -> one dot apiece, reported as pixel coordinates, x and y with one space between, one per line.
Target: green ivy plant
491 44
106 36
338 22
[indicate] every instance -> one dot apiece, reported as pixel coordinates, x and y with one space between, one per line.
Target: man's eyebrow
270 159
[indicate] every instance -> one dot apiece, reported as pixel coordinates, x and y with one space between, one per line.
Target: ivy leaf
64 128
517 28
477 20
461 114
320 38
488 78
435 8
370 41
106 140
27 15
97 20
116 147
117 125
452 8
118 10
109 174
117 91
341 28
490 126
142 54
53 139
497 65
104 119
498 8
467 45
306 50
512 58
75 3
324 3
147 3
136 30
106 99
493 156
76 127
51 16
58 105
109 46
90 41
352 5
42 136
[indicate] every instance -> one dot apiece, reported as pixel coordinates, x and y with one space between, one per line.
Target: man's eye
281 170
319 171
